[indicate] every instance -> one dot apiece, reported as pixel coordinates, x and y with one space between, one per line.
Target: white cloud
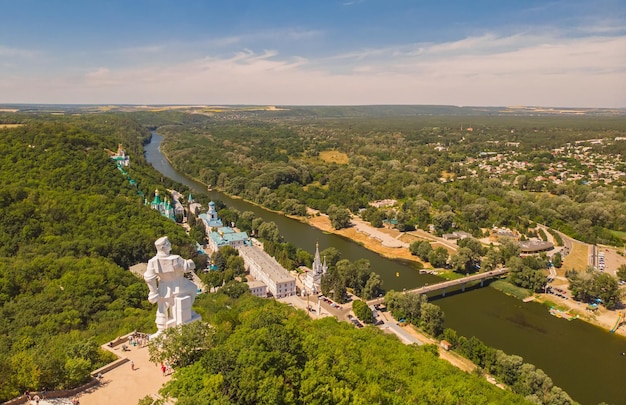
521 69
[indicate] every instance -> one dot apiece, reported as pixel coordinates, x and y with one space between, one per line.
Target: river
582 359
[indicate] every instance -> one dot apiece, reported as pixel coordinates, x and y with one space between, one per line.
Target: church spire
318 267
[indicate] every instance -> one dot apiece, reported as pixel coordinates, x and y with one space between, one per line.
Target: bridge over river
452 283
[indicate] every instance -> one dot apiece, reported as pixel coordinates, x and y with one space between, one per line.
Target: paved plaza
122 385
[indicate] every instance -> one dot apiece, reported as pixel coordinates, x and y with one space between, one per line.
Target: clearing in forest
10 125
334 156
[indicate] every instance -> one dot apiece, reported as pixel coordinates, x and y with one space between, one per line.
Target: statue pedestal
184 313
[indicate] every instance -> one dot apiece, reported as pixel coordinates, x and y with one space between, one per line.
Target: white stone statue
173 293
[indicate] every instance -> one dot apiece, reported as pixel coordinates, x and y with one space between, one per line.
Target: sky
562 53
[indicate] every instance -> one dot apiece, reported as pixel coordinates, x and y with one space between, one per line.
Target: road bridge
452 283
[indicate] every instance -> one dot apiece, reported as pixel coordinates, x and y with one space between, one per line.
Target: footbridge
453 283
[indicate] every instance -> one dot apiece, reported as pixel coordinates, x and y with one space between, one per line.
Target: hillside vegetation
263 352
70 225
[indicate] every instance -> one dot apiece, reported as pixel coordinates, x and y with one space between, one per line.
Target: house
456 235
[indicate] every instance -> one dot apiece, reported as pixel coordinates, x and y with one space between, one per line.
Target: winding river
582 359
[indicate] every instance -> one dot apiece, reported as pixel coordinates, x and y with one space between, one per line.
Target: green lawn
620 234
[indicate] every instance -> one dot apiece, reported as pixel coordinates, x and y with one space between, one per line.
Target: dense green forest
262 352
457 172
70 225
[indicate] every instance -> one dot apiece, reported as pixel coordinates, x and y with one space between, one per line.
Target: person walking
132 365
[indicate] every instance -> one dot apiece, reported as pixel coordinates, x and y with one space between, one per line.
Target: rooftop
270 266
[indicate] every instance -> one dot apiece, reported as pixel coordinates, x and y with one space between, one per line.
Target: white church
313 280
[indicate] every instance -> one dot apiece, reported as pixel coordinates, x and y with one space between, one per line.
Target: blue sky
569 53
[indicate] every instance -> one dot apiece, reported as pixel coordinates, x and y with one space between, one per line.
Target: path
122 385
384 238
420 233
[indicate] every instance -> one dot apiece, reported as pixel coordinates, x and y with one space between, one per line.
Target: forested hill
70 225
263 352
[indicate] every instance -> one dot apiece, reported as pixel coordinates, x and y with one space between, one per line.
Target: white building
313 279
266 269
257 288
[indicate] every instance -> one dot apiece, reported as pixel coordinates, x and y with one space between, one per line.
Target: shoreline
603 319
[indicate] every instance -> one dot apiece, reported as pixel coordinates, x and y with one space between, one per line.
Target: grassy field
10 125
578 259
333 156
510 289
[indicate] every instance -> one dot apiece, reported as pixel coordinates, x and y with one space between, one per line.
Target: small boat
562 314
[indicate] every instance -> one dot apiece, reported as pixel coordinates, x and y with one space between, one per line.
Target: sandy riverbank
602 318
377 240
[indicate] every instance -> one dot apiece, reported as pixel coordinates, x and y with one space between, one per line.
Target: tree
525 276
183 345
509 248
607 289
557 260
304 258
373 287
491 260
508 367
589 285
244 222
362 311
235 289
438 257
473 244
532 381
213 278
451 336
424 251
414 247
431 319
443 222
581 284
236 264
621 272
331 255
269 231
219 260
463 260
339 217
